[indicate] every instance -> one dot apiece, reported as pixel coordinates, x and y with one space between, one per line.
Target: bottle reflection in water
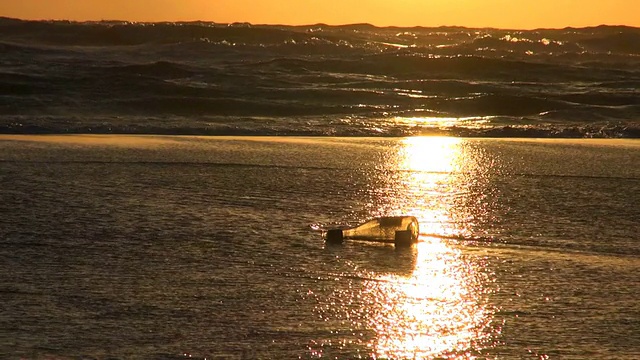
399 230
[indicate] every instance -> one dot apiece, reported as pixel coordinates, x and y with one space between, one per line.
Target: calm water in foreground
175 247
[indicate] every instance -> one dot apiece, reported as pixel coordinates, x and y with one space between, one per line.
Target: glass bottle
399 230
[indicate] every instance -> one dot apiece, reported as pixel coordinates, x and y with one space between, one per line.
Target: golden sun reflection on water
428 183
437 311
440 309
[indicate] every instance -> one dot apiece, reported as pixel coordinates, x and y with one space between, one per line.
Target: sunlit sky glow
521 14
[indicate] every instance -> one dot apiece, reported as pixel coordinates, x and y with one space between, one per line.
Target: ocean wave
162 69
311 126
169 89
123 33
604 39
8 48
351 80
623 42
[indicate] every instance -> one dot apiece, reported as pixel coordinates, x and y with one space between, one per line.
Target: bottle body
401 230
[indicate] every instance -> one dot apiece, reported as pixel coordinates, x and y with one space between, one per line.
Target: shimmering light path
440 307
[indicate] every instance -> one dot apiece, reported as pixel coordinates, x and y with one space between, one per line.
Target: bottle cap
334 236
403 238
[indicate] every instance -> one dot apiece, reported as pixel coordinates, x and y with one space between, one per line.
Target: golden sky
522 14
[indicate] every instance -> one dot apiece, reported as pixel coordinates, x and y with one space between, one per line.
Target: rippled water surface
170 247
318 80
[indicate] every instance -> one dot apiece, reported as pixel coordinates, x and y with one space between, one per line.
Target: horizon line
362 24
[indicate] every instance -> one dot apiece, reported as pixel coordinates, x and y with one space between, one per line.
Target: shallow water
169 247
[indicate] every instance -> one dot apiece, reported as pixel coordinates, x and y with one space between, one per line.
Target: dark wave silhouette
602 38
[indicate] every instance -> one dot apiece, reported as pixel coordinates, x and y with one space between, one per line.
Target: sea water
115 246
169 247
203 78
